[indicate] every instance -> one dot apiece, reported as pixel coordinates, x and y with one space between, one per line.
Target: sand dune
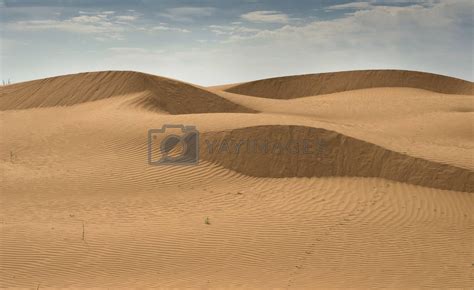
417 122
384 199
157 93
326 153
326 83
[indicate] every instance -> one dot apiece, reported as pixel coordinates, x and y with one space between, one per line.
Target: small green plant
207 221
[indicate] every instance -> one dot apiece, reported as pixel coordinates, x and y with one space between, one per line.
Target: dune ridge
161 93
290 87
336 155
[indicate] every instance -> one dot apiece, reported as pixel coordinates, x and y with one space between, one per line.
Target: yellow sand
390 206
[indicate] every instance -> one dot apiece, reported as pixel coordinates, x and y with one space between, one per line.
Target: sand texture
383 198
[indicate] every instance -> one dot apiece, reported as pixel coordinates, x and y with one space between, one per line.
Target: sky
211 42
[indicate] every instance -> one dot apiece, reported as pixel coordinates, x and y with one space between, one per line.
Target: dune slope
326 83
294 151
165 94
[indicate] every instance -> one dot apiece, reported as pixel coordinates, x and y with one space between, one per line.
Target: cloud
234 29
82 12
366 5
168 28
71 25
265 17
101 26
435 37
380 24
126 17
88 19
187 14
104 25
353 5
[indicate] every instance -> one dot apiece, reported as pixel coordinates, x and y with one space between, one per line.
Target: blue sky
216 42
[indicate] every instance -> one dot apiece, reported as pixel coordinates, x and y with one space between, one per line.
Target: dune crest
159 93
290 87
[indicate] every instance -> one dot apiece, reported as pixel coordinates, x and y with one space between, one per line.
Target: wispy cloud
365 5
352 5
234 29
126 17
75 25
187 13
266 17
168 28
378 25
103 25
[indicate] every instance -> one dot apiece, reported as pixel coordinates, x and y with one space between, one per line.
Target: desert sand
387 202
